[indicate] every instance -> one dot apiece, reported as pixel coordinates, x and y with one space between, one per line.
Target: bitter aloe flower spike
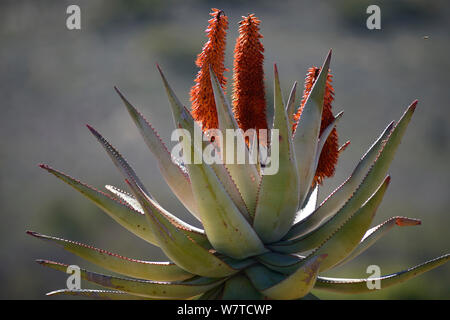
212 55
249 101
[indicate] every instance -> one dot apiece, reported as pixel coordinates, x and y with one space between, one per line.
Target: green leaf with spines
281 287
178 246
118 160
346 239
306 134
372 235
147 270
352 286
278 194
372 180
98 294
324 137
334 202
122 213
299 283
175 176
245 175
226 227
131 176
144 288
183 119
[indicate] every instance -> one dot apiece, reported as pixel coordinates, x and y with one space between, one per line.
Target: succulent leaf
148 270
220 213
278 195
118 160
183 119
354 196
131 176
331 205
368 186
175 176
245 175
121 212
98 294
144 288
290 105
306 134
298 284
372 235
225 225
324 137
346 239
362 193
179 247
340 285
225 115
295 286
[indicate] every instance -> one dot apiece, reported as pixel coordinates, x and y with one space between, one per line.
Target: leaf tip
119 92
31 233
159 69
405 222
413 105
44 166
41 261
90 128
328 59
94 132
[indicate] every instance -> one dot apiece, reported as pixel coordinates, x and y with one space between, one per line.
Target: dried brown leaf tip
213 54
249 102
330 152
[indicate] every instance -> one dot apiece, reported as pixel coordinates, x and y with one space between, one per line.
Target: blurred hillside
53 81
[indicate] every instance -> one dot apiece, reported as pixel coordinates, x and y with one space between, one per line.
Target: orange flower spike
213 54
249 101
330 152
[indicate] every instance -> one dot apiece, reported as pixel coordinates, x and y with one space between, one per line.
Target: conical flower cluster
249 101
212 55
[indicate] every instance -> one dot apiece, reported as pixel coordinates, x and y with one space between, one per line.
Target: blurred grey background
53 81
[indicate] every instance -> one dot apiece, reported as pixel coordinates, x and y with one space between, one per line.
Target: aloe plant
264 236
